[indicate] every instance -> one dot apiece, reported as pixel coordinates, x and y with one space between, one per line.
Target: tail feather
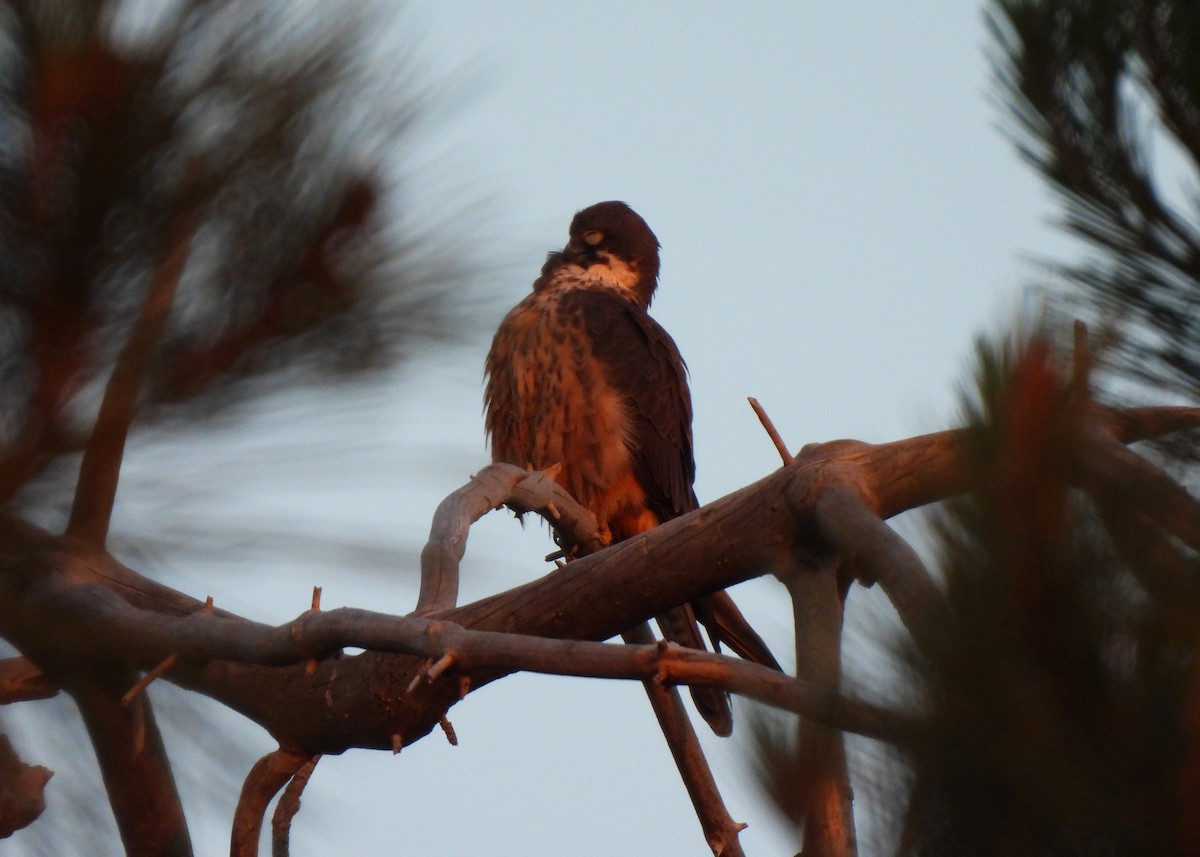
726 624
679 626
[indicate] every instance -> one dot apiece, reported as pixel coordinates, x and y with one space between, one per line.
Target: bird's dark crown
615 230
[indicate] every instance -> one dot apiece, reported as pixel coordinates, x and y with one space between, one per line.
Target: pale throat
609 272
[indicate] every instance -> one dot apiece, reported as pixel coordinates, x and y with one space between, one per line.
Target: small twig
444 722
288 806
138 715
311 667
264 781
145 681
780 446
419 677
397 743
444 663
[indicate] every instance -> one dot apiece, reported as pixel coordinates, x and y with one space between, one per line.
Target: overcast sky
840 218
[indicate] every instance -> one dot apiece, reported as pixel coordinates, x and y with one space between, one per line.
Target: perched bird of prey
580 376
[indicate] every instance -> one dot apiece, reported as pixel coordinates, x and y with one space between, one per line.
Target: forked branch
271 773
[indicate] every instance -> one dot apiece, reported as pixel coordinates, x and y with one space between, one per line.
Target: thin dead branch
288 806
158 671
772 432
205 638
266 778
720 830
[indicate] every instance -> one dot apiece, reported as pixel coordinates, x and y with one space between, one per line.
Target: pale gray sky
839 218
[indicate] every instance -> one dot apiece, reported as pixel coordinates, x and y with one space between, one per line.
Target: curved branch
1130 425
1110 467
266 778
495 486
289 805
875 550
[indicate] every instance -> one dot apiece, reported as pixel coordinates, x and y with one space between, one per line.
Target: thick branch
876 551
824 787
21 790
351 702
133 762
21 681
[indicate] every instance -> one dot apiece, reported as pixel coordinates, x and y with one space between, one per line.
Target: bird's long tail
726 625
679 626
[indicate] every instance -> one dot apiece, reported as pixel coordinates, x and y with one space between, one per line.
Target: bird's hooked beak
576 252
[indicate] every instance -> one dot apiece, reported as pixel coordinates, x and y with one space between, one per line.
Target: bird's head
612 243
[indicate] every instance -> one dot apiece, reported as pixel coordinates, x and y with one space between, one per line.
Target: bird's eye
592 237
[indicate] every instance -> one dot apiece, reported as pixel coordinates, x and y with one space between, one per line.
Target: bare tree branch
21 681
720 830
61 601
1107 465
21 790
880 555
495 486
824 784
266 778
133 762
289 805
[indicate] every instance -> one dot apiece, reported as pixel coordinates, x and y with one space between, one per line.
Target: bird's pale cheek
611 271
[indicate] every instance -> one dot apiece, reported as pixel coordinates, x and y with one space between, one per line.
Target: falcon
580 376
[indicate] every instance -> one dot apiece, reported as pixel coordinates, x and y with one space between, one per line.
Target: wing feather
643 364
